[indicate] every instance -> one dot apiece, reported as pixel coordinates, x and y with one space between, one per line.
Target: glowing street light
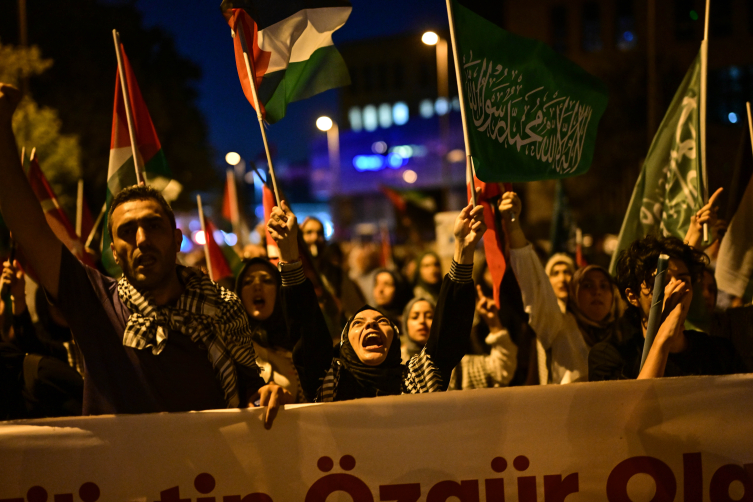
430 38
324 123
232 158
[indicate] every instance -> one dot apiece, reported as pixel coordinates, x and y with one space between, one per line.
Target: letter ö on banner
331 483
409 492
465 491
666 485
723 478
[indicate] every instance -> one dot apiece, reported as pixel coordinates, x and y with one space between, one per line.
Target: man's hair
139 192
637 263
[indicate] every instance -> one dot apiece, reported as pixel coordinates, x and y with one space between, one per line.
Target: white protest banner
444 223
682 439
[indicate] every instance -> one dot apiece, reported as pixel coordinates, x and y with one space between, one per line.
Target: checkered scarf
209 314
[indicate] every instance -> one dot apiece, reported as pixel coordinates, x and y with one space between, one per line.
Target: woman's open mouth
372 341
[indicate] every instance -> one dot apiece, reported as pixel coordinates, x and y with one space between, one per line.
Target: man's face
313 233
560 277
676 271
144 243
371 334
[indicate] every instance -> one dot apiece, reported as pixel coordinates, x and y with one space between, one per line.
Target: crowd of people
329 324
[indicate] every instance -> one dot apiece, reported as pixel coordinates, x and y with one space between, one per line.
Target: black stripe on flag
491 11
269 12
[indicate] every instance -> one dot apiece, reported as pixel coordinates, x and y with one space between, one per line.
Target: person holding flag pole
162 338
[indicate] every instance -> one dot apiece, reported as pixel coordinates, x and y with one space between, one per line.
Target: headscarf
412 347
394 308
423 288
359 380
558 258
272 331
594 331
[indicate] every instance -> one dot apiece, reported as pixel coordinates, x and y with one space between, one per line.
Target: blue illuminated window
426 108
385 115
400 113
370 118
354 117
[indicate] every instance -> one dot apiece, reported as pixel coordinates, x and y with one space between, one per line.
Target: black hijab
272 331
359 380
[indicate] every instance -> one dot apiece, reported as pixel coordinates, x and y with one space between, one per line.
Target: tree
77 35
40 126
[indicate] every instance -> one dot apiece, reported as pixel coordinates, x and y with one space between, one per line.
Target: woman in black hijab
366 363
258 287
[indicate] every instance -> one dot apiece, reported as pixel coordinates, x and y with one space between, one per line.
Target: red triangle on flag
219 265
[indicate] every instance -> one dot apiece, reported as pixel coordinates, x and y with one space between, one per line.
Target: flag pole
704 89
128 110
252 83
96 225
750 122
79 207
206 238
468 160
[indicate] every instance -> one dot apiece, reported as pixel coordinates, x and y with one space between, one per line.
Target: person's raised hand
677 298
283 228
487 309
469 228
272 396
706 215
14 279
10 96
510 205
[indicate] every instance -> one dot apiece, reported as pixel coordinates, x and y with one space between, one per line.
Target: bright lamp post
443 92
329 126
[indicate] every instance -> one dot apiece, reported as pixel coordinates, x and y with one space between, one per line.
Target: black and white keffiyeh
206 312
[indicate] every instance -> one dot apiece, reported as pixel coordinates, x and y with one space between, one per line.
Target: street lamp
232 158
443 92
326 124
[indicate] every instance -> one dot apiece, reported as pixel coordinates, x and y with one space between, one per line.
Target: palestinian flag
56 217
290 49
217 264
122 172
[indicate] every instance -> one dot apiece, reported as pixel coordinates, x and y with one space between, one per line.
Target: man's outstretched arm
20 207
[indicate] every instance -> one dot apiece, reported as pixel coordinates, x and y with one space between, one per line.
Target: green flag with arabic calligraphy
531 113
669 188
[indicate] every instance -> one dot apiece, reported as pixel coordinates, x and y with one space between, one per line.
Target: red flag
396 198
494 243
227 202
56 217
220 268
239 21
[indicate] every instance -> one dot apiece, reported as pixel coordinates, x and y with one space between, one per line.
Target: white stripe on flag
118 157
295 38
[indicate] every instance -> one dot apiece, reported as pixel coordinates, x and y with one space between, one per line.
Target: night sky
202 35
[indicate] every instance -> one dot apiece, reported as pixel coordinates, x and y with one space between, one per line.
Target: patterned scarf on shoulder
210 315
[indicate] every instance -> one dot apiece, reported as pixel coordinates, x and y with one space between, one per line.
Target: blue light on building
732 117
400 113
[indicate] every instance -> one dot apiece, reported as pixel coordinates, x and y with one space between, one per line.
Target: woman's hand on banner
271 396
283 228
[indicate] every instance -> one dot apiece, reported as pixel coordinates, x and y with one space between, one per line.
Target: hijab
594 331
413 347
359 380
432 290
272 331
